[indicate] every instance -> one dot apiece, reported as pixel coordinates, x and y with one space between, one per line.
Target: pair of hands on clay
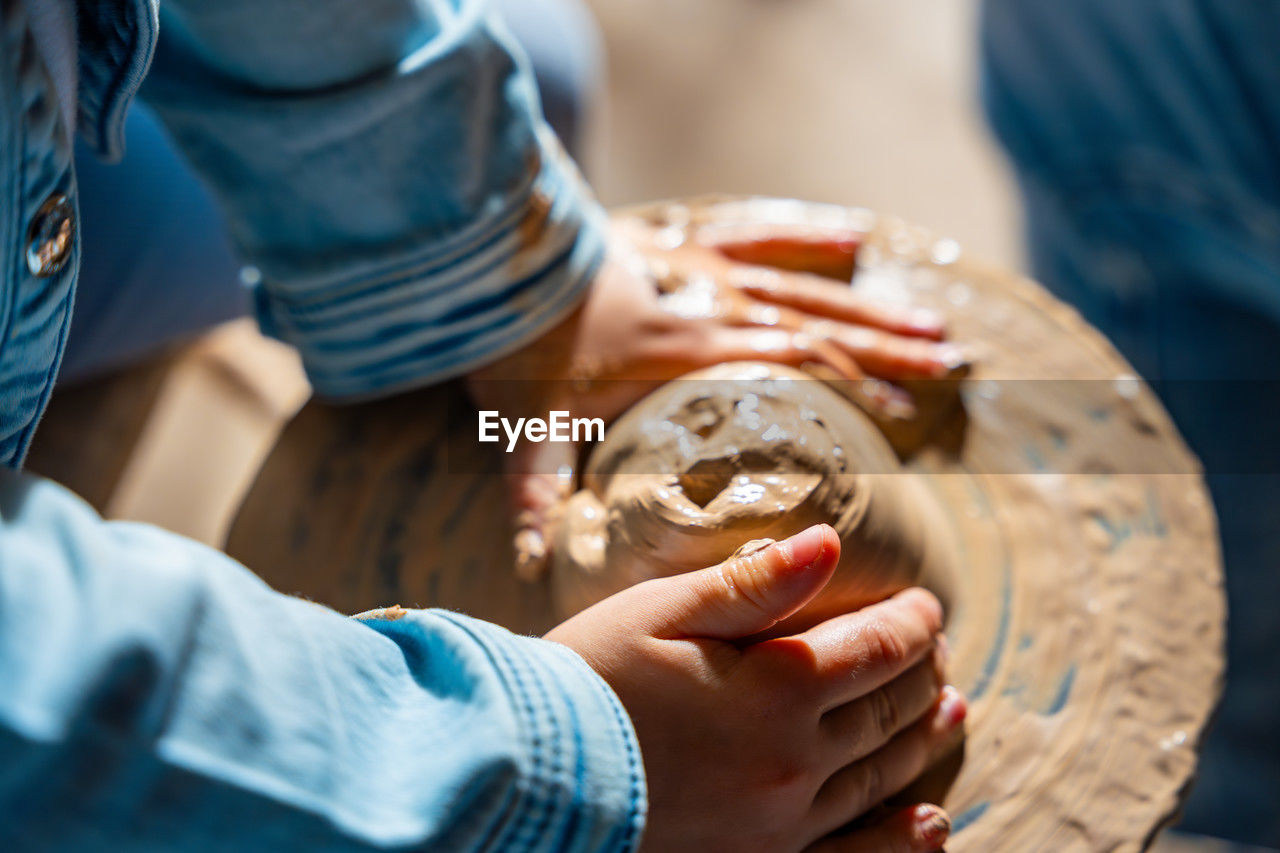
762 298
771 745
775 745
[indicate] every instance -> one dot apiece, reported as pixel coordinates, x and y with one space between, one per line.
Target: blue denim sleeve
387 174
156 695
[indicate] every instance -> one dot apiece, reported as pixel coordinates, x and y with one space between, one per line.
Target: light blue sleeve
386 171
155 695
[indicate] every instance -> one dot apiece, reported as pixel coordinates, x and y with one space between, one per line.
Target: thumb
747 594
539 478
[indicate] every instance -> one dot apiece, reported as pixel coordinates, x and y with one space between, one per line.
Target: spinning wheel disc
1088 635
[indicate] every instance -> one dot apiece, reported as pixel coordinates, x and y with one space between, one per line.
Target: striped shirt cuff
457 305
584 788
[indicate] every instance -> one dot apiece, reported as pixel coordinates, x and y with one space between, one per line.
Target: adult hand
653 315
775 745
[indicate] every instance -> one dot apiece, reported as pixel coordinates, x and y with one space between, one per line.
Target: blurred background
871 104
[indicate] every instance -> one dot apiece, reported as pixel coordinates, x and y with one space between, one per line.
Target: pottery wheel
1088 636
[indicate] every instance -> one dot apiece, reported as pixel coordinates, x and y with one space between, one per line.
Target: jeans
1145 136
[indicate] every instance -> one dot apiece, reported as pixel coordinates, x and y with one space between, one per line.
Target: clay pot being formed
748 452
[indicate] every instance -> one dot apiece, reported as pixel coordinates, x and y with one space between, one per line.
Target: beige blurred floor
860 102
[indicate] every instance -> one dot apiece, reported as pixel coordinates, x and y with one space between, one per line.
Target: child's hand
778 744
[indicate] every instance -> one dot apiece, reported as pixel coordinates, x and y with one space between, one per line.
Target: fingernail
944 649
806 548
932 825
953 708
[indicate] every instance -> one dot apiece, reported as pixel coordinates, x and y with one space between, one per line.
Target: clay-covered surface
1087 623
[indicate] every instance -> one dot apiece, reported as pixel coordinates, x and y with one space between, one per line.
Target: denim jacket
404 217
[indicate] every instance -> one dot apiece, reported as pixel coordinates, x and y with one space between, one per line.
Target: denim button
49 239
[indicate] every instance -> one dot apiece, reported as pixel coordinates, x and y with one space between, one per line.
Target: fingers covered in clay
813 349
869 781
833 255
725 723
539 479
878 644
893 356
780 346
860 727
752 592
818 297
921 828
878 348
